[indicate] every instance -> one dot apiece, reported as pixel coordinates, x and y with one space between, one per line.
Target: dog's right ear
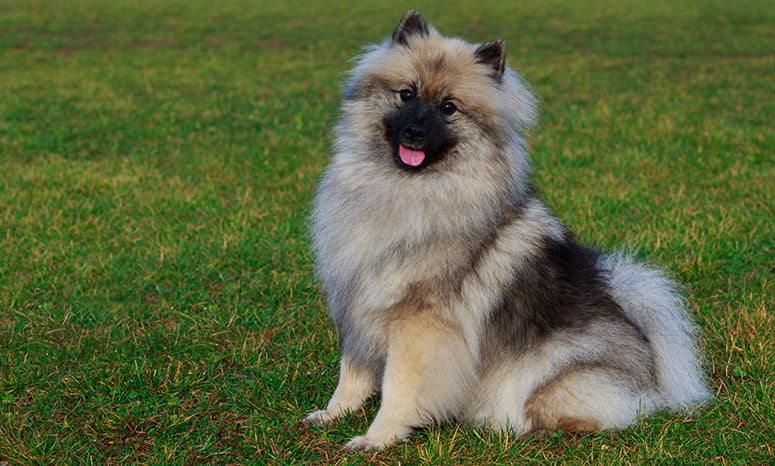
411 24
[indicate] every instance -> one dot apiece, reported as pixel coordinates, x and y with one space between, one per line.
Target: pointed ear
411 24
493 54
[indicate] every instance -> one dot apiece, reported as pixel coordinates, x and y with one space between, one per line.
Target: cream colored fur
412 302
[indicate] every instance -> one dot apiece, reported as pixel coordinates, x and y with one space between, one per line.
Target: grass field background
157 159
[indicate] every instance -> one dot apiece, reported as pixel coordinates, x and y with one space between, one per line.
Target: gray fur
464 246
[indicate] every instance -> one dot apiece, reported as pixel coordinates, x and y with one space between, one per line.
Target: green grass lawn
157 160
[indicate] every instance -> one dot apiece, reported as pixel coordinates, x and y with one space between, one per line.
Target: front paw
321 417
366 442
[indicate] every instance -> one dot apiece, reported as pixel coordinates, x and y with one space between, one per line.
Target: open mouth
415 153
410 157
418 160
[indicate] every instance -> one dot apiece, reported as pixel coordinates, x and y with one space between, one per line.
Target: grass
157 296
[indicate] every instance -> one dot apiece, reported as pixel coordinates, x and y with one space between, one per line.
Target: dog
455 292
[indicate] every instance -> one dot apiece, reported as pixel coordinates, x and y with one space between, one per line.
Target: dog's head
423 95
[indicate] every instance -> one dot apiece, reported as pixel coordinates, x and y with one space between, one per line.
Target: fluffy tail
654 304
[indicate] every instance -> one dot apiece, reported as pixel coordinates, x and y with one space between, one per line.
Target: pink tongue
411 157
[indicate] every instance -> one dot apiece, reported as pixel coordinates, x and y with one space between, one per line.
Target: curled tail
653 303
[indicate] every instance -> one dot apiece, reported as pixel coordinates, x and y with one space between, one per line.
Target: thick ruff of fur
456 294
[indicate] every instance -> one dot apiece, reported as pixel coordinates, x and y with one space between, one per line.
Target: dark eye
448 108
406 94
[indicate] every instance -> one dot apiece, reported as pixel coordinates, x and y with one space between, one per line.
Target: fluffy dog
454 291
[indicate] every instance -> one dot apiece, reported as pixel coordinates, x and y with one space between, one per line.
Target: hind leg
585 399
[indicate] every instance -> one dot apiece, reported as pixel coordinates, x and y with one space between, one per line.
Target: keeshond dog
455 293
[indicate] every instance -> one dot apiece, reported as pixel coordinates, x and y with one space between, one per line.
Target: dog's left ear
411 24
493 54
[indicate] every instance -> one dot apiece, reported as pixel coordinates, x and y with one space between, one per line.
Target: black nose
413 132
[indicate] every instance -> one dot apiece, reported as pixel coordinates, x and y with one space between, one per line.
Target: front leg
355 387
428 372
